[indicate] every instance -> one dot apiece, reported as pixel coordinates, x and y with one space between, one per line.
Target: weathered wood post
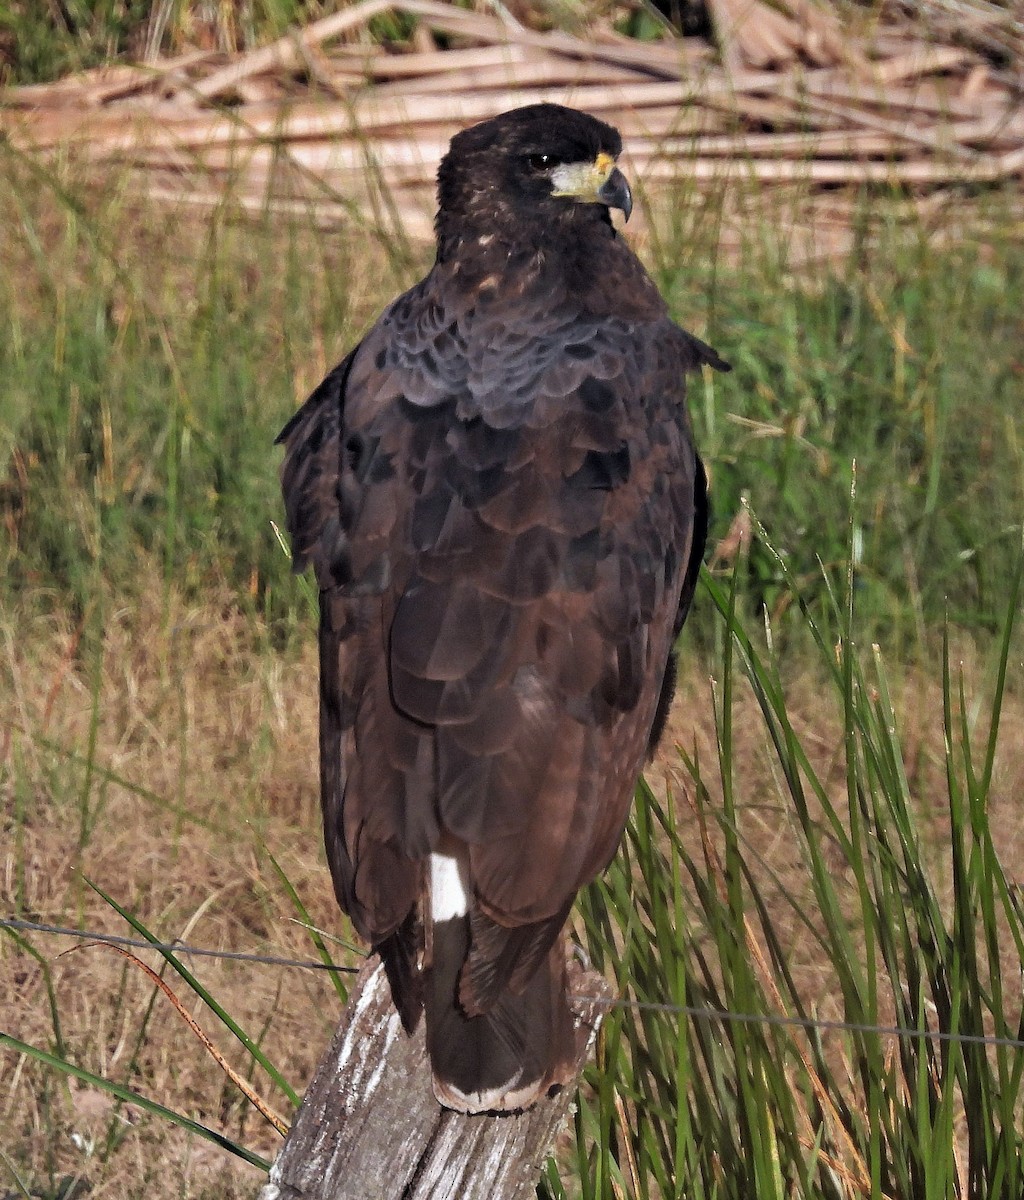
370 1129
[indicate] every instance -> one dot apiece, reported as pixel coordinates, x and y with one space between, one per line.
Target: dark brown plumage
500 496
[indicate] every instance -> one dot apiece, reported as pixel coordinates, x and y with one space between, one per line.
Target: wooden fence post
370 1129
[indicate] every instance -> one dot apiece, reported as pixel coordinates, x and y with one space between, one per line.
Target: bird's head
528 169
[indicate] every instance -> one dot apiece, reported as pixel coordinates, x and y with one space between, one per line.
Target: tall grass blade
131 1097
316 937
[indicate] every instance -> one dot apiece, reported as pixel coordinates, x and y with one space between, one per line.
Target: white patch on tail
449 884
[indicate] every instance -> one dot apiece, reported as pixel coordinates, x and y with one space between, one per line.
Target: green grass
776 1107
45 42
149 362
905 358
145 380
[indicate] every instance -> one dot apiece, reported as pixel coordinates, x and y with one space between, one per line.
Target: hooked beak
615 193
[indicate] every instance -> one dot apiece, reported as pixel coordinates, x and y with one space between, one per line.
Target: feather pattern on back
500 497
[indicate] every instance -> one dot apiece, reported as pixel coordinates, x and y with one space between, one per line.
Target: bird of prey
500 496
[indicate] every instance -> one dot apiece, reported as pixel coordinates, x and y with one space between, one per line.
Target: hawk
499 492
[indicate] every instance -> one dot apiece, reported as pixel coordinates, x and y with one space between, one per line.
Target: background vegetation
835 839
41 42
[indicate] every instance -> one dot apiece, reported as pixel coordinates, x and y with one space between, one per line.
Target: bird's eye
542 162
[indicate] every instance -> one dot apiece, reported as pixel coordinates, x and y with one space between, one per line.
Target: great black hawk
500 496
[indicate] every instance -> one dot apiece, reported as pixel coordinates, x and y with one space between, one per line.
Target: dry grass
769 824
198 711
195 713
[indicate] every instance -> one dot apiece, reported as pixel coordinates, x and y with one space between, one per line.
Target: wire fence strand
114 939
695 1011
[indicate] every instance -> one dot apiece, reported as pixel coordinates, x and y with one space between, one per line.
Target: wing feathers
501 959
506 521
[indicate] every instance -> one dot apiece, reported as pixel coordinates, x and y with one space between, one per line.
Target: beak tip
616 193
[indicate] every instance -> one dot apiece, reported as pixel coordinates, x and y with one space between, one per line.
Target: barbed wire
696 1011
835 1026
114 939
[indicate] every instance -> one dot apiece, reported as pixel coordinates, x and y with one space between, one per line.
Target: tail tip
512 1096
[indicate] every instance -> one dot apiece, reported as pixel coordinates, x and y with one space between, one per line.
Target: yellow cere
604 164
